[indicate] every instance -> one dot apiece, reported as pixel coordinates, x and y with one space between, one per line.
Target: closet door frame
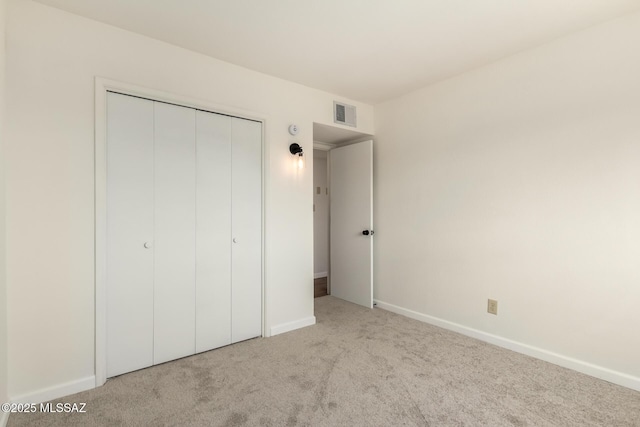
102 86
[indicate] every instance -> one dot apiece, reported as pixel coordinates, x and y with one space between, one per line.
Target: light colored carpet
356 367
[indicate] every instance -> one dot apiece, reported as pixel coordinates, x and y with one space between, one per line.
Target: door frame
102 86
328 147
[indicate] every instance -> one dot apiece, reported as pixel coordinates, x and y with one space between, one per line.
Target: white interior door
213 231
175 232
246 264
130 226
351 223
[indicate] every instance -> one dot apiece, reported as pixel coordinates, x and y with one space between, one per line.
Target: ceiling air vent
344 114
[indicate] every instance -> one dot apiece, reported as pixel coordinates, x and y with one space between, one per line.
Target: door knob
147 245
365 232
235 240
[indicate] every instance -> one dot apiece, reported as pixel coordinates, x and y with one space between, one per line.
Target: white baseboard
320 275
4 419
292 326
603 373
57 391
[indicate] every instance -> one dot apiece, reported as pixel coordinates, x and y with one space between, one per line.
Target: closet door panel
246 307
175 237
129 227
213 231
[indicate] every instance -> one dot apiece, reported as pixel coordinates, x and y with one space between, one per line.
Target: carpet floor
355 367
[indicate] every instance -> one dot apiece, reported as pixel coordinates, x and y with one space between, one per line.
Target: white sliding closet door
129 227
246 264
213 229
175 232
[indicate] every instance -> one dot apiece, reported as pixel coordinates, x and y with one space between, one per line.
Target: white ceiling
366 50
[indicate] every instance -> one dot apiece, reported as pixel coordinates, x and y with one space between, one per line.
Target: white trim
266 153
603 373
57 391
265 186
4 419
100 195
320 275
103 85
292 326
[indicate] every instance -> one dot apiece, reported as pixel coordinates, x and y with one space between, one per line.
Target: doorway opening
326 138
320 224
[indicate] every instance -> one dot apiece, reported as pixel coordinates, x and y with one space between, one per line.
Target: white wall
520 182
320 215
3 289
52 59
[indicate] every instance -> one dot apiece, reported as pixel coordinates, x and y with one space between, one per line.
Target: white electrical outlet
492 307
